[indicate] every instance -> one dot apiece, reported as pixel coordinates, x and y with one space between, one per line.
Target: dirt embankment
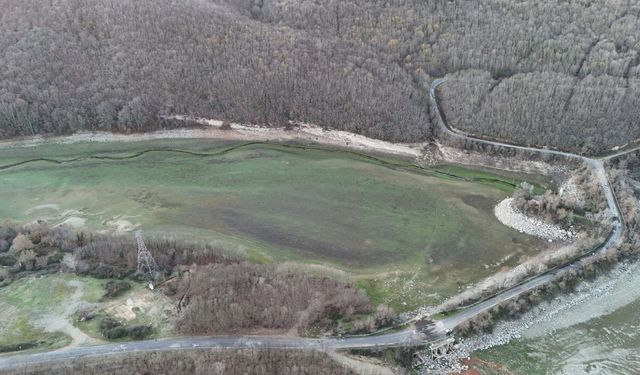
213 130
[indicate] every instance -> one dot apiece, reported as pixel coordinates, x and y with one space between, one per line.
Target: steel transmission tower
146 264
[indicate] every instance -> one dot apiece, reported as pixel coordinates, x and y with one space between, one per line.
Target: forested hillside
558 73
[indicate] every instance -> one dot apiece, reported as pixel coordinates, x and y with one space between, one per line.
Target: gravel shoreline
511 217
559 313
239 132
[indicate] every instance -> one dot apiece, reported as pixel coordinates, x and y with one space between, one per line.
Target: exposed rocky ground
511 217
578 306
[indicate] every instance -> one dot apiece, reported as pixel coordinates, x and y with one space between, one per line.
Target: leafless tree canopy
247 297
108 256
200 362
558 73
626 180
216 290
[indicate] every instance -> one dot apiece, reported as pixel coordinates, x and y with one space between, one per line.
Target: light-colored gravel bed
511 217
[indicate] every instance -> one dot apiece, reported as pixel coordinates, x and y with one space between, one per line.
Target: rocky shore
511 217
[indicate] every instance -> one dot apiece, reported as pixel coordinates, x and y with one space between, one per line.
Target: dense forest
242 297
556 73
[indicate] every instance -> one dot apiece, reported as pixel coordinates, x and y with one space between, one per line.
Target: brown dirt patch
480 202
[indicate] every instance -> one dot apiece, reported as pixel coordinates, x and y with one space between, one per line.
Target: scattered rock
546 313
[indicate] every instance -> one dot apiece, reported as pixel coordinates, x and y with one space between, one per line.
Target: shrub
4 245
7 260
242 297
116 288
138 332
55 258
115 333
21 243
108 323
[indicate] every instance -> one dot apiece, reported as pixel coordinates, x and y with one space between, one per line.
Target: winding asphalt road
407 337
598 166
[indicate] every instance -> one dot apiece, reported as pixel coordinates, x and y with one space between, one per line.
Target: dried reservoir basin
408 236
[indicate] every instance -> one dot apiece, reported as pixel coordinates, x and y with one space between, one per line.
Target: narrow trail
59 320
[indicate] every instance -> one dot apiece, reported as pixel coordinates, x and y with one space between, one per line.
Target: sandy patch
242 132
140 302
123 313
58 320
511 217
50 212
76 219
475 159
572 193
120 225
66 213
73 222
317 134
361 364
46 206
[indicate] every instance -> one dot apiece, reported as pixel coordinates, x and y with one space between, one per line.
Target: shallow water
600 335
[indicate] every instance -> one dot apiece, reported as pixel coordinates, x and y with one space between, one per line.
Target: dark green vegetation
407 235
34 339
116 288
558 73
112 329
98 324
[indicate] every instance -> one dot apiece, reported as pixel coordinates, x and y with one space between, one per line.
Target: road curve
598 166
435 107
407 337
596 163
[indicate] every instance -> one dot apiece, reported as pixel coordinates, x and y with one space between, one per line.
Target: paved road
408 337
546 277
433 102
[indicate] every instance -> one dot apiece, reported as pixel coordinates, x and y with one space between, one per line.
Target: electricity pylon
146 264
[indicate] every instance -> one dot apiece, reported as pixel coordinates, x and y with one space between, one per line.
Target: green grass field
36 311
26 301
409 236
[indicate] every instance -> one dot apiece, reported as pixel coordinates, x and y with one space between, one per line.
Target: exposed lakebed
409 236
